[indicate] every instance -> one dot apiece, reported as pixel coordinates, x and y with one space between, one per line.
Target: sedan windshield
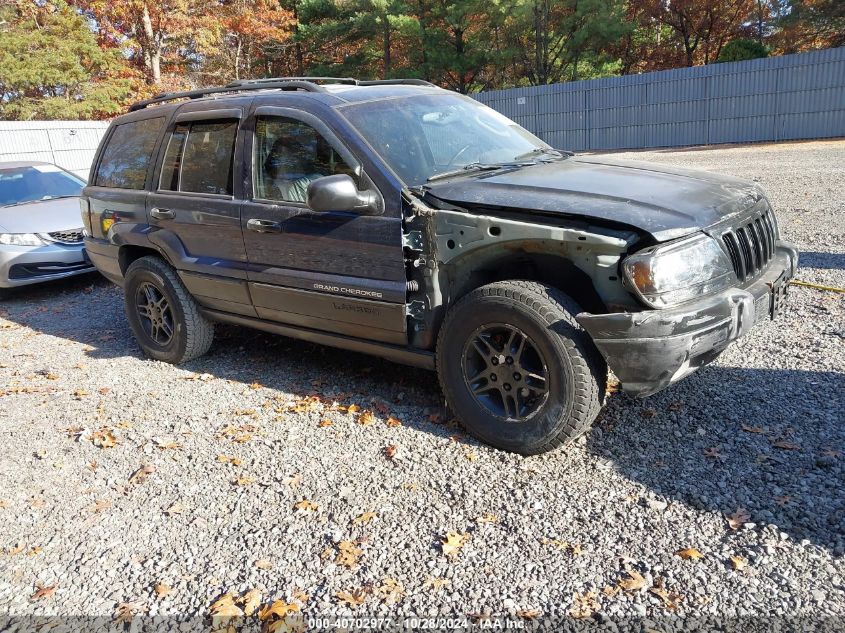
19 185
425 135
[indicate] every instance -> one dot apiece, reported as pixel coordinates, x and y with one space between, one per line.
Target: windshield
425 135
37 182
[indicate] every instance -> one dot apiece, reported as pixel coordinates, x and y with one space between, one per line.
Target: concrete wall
69 144
779 98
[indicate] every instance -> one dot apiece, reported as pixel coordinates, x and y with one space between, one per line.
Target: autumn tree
51 66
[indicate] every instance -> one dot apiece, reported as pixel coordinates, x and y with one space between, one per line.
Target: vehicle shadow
767 440
828 261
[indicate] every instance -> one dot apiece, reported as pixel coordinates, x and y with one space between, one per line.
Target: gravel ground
234 443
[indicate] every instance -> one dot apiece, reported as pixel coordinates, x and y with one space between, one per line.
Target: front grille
751 245
72 236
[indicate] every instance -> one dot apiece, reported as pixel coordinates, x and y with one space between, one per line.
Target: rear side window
126 157
199 158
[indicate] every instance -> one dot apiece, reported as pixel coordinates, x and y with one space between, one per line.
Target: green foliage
51 66
742 49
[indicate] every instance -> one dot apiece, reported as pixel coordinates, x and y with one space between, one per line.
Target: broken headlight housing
669 274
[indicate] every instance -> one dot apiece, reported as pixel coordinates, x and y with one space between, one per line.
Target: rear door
195 207
334 271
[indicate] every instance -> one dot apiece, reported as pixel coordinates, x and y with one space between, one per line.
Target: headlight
21 239
669 274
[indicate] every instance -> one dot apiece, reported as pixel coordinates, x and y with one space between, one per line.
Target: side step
394 353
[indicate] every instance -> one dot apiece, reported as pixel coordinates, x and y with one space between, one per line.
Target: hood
43 216
655 199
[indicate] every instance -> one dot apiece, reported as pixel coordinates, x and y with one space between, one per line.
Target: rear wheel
164 318
517 369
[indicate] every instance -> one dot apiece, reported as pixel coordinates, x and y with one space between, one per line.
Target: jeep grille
751 245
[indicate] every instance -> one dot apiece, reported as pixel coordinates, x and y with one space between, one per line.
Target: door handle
264 226
162 214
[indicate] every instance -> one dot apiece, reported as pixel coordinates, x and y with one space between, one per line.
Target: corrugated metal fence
68 144
779 98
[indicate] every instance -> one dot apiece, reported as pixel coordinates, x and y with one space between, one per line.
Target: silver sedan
40 224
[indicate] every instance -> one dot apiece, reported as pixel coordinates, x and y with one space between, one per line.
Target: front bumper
651 349
25 265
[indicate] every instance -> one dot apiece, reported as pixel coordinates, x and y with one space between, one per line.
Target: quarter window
290 154
126 157
199 158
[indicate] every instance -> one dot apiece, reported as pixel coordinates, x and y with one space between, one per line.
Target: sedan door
337 271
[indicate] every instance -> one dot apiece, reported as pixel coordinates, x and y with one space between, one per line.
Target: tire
543 317
190 333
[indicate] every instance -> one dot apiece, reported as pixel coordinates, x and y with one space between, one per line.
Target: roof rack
309 84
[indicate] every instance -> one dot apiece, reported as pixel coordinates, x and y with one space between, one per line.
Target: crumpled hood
661 201
44 216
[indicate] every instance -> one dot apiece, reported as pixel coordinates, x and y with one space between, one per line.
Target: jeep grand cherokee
403 220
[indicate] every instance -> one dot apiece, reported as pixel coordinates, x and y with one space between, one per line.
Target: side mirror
339 193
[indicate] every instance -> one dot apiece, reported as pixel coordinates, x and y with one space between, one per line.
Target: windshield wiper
475 167
539 151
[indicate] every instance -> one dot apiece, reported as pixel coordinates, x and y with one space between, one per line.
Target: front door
196 211
335 271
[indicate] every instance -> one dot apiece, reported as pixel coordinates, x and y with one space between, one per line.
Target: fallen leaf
528 614
366 517
738 518
140 475
14 551
391 421
104 391
353 408
42 592
670 600
787 446
325 423
453 542
753 429
648 413
250 601
634 581
690 554
584 605
712 453
487 517
278 609
306 506
100 505
37 502
256 386
104 438
471 456
225 459
174 509
832 453
41 454
225 608
348 554
264 564
354 598
244 481
390 591
366 418
244 412
162 590
3 504
390 451
80 393
34 551
167 444
738 562
437 583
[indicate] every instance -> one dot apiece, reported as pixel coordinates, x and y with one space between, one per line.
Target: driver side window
289 155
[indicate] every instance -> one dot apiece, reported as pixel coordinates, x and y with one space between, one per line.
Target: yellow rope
798 282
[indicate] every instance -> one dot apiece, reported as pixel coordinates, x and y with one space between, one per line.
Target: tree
741 49
810 24
51 66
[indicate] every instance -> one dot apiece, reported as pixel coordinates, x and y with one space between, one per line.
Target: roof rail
308 84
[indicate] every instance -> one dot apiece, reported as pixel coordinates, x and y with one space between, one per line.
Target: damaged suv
399 219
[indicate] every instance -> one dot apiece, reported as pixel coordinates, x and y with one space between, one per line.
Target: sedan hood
43 216
659 200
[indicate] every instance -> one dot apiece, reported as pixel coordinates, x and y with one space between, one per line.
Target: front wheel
163 316
517 369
